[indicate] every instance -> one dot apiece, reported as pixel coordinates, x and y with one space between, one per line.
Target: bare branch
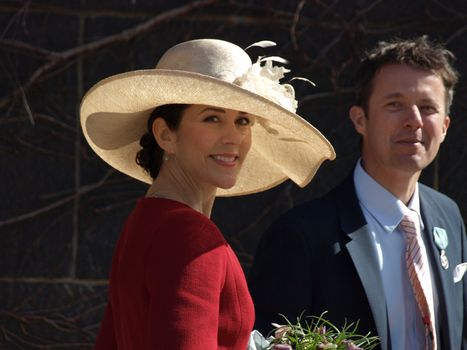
83 190
58 281
359 15
25 47
124 36
293 27
451 11
457 34
26 107
326 94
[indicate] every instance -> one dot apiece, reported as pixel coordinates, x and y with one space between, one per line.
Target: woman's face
211 144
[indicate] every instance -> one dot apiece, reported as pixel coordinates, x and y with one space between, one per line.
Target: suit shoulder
315 207
436 198
314 215
433 201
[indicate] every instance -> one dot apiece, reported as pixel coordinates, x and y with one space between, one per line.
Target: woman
175 283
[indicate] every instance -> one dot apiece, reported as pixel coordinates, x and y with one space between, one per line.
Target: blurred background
62 207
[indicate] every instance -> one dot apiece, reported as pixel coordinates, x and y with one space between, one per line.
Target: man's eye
394 105
428 109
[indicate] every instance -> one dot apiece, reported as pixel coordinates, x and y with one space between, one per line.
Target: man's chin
412 163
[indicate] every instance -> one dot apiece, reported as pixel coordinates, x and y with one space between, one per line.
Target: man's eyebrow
392 95
398 95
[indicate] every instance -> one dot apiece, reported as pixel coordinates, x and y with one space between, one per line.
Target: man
345 253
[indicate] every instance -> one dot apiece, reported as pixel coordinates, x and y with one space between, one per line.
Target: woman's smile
227 160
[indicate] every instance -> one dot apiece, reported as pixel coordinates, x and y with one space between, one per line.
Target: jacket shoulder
436 199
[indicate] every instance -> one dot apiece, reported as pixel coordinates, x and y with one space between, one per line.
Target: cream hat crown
114 112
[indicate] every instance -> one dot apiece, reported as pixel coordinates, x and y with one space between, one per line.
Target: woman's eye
211 118
245 121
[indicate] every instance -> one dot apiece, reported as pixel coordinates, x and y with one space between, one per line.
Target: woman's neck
177 187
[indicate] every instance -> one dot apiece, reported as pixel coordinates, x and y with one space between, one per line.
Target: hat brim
114 115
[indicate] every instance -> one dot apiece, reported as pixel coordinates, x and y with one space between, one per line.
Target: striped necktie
418 269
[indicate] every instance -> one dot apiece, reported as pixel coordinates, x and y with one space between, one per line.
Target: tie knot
410 226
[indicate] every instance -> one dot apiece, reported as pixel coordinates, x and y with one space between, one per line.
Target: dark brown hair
150 156
418 53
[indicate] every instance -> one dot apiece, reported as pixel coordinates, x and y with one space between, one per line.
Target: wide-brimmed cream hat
115 111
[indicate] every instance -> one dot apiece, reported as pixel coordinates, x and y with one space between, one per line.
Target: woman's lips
225 159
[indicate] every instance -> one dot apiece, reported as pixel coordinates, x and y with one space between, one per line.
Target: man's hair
418 53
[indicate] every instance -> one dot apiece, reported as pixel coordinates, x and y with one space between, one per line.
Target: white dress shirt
383 213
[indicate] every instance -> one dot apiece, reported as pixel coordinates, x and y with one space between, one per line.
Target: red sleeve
106 337
185 278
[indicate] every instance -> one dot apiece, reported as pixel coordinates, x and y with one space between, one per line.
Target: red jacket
175 283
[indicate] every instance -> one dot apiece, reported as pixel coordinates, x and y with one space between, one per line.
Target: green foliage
316 333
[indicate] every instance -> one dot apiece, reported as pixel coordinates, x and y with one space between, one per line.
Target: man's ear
358 117
446 123
165 137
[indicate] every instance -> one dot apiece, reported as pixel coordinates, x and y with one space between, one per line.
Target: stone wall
62 207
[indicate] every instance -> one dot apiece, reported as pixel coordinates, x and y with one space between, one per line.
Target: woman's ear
357 115
165 137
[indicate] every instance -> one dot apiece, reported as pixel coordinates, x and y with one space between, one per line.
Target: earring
165 157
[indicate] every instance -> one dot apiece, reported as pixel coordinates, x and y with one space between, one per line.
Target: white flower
275 73
264 80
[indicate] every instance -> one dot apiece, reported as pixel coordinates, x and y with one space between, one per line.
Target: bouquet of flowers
315 333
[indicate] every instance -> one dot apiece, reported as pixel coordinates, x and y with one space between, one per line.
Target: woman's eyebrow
214 109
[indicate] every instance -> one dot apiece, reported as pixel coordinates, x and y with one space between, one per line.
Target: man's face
405 122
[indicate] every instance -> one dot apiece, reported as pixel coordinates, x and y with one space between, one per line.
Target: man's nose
414 118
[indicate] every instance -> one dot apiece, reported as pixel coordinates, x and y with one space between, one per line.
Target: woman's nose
234 134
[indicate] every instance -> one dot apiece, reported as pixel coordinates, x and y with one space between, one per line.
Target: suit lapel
363 255
441 278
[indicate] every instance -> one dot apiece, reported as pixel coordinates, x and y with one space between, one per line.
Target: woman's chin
228 184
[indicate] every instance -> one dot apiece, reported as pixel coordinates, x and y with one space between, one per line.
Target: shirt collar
382 204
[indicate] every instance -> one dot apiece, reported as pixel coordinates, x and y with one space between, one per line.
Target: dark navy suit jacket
319 257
